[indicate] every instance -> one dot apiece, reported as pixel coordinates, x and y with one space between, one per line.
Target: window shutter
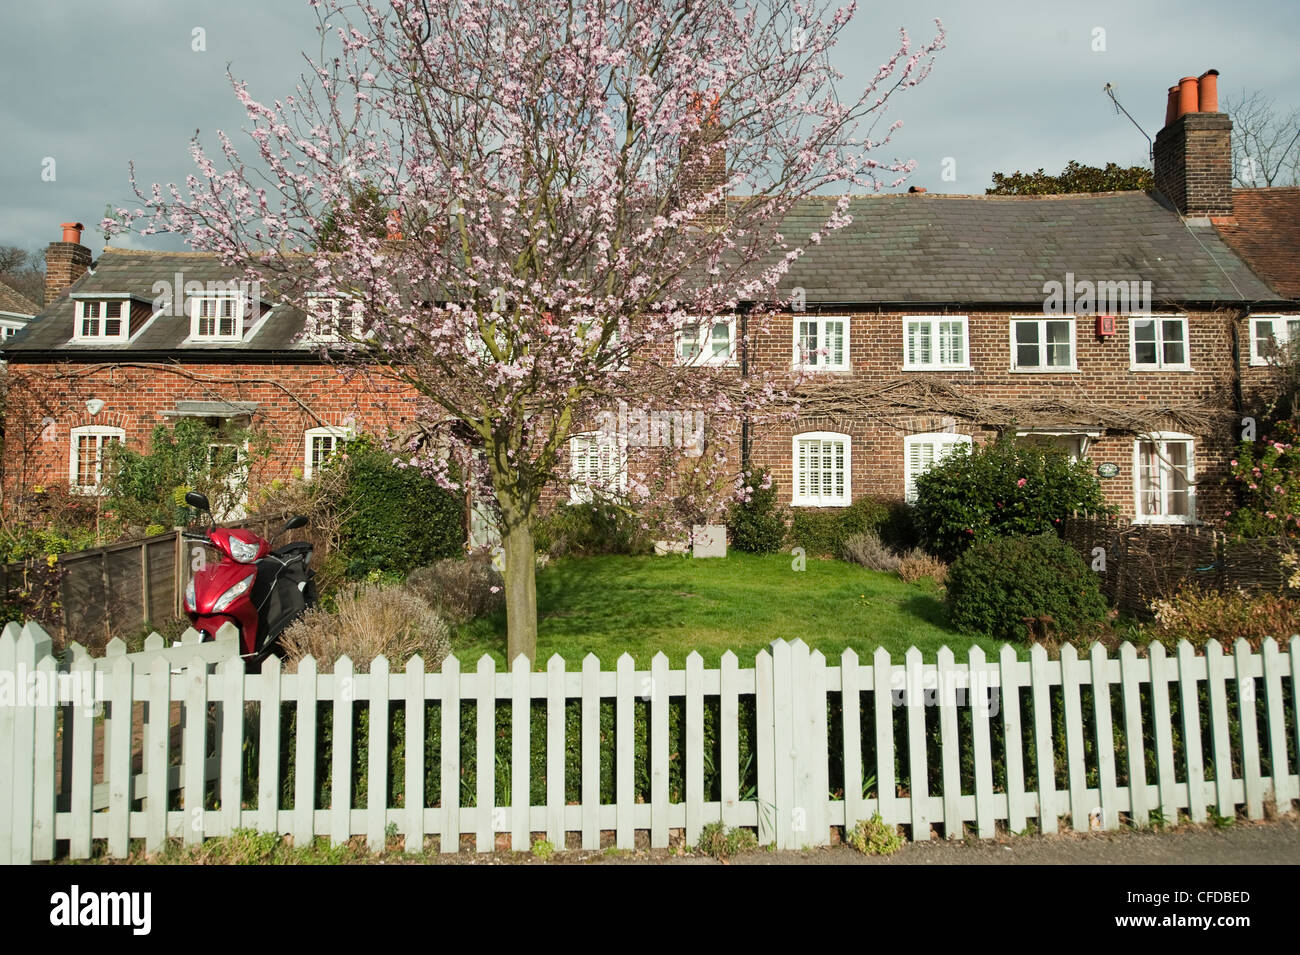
835 342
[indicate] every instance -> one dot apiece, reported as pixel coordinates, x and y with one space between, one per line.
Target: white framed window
1158 343
332 319
922 452
597 463
86 460
707 342
217 318
1272 337
823 469
821 342
935 342
1042 344
102 320
319 444
1164 469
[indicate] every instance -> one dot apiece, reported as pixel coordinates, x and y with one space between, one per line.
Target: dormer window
217 318
102 320
332 319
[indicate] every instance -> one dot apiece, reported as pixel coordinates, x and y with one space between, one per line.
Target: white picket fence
46 800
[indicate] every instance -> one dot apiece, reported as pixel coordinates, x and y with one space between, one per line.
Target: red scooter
260 590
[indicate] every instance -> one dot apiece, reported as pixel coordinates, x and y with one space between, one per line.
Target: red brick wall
1104 377
48 400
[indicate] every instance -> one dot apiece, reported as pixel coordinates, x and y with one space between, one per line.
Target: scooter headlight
233 593
243 551
189 598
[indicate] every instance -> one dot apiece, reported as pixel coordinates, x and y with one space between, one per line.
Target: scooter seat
293 549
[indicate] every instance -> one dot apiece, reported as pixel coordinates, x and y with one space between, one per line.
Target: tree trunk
521 588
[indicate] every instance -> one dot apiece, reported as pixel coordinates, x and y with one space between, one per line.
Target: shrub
149 488
898 529
460 589
917 564
874 837
54 521
1013 588
869 551
1002 488
583 530
823 531
815 530
397 519
723 843
757 525
1203 615
1266 474
368 621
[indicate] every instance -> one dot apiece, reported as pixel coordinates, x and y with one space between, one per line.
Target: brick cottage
1128 328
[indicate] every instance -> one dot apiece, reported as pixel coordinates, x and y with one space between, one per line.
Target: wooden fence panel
268 767
1160 712
950 759
449 790
8 751
1044 755
729 739
415 765
1248 723
792 745
1018 803
377 755
851 732
659 751
1284 788
1071 680
304 687
1132 672
882 702
555 705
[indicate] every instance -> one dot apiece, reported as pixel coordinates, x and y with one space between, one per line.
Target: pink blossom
1020 483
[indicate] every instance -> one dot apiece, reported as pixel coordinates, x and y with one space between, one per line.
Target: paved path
1274 843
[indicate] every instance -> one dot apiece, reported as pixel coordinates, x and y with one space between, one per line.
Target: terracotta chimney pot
71 232
1171 106
1188 97
1208 86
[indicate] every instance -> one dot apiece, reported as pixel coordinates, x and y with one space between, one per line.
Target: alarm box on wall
1105 325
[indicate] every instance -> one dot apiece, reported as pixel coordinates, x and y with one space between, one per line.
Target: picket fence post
8 753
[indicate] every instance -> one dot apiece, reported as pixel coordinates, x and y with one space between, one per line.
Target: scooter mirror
199 501
295 522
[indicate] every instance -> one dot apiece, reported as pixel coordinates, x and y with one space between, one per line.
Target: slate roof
133 271
1265 231
13 301
906 250
966 250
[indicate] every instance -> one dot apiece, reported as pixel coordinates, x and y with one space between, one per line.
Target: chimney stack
704 161
1193 153
65 261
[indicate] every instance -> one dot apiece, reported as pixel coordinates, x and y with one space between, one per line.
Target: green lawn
641 605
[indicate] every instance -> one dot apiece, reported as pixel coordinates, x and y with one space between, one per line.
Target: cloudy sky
95 84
